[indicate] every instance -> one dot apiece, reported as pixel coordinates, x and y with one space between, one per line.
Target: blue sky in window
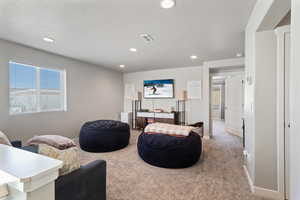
24 77
50 79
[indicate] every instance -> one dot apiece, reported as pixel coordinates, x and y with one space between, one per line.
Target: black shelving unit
136 106
181 110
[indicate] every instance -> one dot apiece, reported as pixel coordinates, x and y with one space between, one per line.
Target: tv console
144 118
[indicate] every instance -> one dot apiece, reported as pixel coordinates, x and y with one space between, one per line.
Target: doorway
227 100
218 100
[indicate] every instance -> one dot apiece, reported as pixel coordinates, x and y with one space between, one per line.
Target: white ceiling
102 31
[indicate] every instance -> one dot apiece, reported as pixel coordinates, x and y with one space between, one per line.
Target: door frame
280 107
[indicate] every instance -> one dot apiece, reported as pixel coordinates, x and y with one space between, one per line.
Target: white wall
195 108
88 87
265 111
295 105
260 68
258 14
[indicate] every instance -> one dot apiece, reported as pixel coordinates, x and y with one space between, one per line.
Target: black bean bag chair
169 151
104 136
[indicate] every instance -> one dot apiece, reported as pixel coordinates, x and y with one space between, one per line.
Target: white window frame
63 90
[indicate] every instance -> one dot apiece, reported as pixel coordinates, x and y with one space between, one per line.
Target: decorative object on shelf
158 110
172 109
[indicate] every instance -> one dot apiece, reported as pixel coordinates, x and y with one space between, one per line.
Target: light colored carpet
218 176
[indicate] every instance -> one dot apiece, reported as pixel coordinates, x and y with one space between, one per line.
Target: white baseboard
233 132
249 179
266 193
262 192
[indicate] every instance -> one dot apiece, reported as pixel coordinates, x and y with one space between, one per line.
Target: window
36 89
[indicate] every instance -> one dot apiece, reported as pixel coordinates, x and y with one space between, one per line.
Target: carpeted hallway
218 176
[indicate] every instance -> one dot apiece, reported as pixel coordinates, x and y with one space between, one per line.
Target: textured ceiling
102 31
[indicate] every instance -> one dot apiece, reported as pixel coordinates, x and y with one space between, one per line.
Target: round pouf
104 136
169 151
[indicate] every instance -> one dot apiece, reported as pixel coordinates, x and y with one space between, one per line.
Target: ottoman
167 151
104 136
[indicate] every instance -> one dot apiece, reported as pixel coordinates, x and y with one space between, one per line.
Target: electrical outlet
247 156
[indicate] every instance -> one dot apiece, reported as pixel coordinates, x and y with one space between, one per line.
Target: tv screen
156 89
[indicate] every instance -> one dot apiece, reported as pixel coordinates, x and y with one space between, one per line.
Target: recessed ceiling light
133 49
193 57
167 4
122 66
47 39
239 55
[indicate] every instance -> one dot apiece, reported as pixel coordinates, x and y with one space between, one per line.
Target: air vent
147 38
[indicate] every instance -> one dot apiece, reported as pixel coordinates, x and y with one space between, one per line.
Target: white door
234 98
287 55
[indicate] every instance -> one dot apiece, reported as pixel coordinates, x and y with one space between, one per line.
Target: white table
29 176
5 178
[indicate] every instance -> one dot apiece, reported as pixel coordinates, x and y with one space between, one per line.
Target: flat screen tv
158 89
